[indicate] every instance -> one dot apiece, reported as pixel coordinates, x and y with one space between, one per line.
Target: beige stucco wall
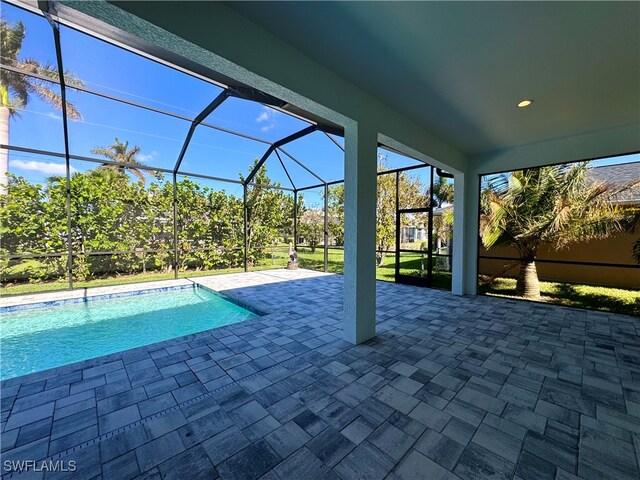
613 250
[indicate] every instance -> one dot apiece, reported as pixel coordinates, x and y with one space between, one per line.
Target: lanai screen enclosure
193 140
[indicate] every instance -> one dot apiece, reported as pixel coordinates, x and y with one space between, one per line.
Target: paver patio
451 387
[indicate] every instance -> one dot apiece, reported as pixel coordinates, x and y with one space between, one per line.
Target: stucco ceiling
459 68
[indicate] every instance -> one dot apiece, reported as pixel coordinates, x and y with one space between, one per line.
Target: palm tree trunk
528 285
4 154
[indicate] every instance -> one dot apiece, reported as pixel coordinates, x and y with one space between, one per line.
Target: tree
32 221
548 205
385 214
443 226
443 200
442 192
269 214
311 227
411 193
106 213
210 227
125 158
16 88
336 213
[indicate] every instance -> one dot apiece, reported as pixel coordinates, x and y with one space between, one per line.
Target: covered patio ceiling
460 68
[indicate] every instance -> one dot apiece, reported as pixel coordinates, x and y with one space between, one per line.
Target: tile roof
617 176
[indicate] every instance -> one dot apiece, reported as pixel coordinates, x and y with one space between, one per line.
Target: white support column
465 233
359 322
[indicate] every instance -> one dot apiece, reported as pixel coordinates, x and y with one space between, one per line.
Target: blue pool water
40 338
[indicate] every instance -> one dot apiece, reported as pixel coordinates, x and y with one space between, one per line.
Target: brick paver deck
452 387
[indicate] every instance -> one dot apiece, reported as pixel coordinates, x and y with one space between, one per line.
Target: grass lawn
25 288
615 300
410 263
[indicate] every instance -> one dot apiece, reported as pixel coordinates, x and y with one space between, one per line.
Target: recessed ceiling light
524 103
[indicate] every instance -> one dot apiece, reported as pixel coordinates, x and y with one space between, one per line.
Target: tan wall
613 250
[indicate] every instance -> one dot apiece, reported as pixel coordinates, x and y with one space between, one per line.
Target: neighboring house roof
437 211
618 176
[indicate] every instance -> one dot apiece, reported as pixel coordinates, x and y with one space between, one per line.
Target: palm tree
16 88
443 200
125 159
634 223
552 205
442 192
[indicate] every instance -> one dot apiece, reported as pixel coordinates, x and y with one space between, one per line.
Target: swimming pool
34 339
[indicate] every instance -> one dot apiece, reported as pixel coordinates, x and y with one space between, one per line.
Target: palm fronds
124 159
13 104
17 86
553 205
549 205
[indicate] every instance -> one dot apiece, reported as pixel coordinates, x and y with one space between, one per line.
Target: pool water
36 339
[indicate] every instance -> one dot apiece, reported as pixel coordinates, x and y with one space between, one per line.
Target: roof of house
440 210
618 176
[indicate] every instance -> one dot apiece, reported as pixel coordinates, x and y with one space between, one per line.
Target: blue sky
120 73
109 69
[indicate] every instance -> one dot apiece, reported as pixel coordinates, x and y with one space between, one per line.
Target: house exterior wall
413 234
613 250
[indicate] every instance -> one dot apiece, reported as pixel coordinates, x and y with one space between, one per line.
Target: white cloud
54 116
146 157
268 117
47 168
263 117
